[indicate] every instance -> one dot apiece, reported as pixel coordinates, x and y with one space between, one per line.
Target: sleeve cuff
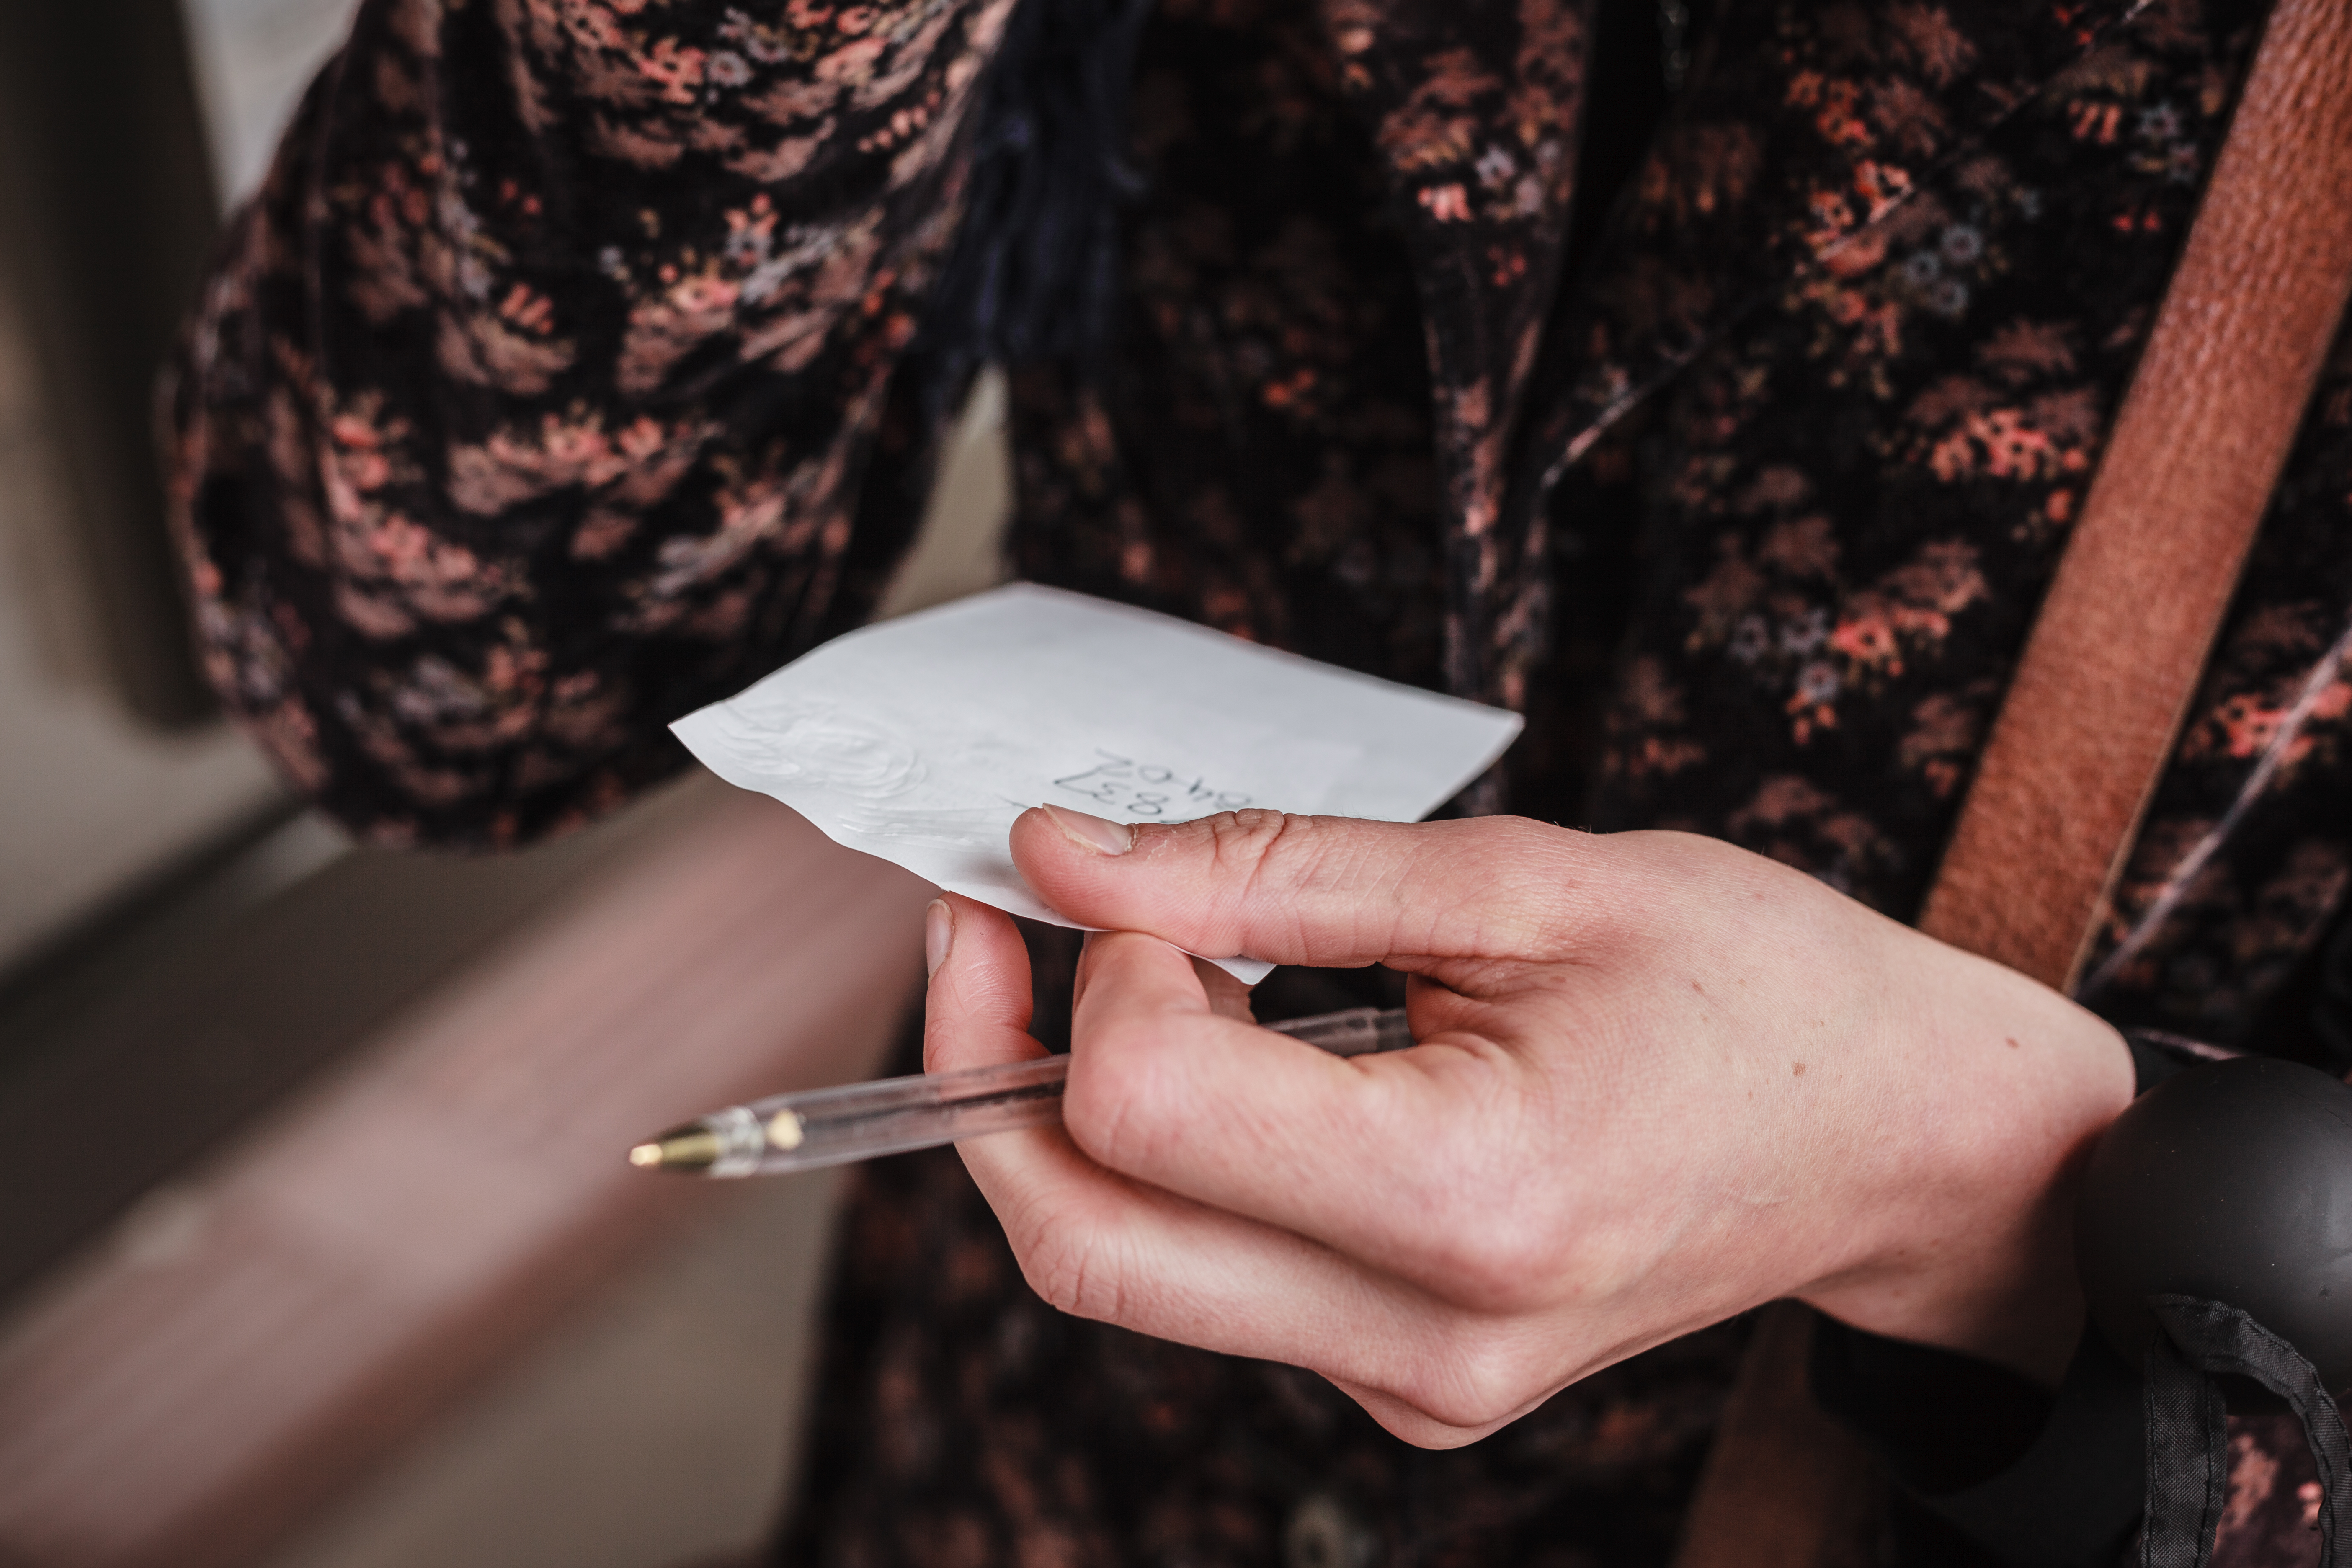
2034 1479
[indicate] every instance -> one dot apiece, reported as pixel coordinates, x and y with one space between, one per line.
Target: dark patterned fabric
554 386
960 1423
2188 1431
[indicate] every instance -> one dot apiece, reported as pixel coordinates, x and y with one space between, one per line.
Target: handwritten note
921 739
1147 792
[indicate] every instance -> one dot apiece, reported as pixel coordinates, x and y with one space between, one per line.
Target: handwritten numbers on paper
1147 790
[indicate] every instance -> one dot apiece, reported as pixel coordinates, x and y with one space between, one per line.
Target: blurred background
316 1245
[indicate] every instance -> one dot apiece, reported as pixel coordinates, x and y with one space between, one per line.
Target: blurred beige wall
91 799
253 59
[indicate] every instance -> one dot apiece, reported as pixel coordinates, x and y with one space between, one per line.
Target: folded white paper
921 739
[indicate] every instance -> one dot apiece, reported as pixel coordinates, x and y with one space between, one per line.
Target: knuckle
1070 1266
1241 843
1440 1435
1240 836
1473 1385
1108 1105
1491 1264
1259 861
1498 1228
1535 879
1251 822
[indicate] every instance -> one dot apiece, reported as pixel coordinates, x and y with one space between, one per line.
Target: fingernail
939 935
1101 836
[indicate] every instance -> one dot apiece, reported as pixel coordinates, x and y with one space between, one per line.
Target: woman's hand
1659 1080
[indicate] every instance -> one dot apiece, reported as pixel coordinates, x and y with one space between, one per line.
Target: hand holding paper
921 740
1659 1080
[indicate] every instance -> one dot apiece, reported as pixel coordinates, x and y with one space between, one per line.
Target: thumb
1329 891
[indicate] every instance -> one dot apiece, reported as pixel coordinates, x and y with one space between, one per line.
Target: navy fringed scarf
1033 274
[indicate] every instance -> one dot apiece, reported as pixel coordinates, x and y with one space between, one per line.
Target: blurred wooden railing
191 1387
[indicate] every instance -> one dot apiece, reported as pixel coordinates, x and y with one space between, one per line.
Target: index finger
1321 890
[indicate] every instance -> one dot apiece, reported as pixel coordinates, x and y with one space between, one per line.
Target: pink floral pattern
552 387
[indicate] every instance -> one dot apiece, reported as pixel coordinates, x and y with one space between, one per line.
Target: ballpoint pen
789 1132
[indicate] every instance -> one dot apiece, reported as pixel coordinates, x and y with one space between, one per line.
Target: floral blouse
569 372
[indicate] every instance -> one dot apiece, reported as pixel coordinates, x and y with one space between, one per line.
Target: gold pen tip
691 1148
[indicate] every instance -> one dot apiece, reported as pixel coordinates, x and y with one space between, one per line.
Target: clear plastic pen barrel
859 1121
833 1126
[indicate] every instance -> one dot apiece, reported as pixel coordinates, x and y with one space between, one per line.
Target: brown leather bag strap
2097 699
2107 674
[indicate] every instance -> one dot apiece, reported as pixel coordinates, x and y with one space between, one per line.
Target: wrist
2005 1088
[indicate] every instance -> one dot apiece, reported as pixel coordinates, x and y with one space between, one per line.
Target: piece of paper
921 739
